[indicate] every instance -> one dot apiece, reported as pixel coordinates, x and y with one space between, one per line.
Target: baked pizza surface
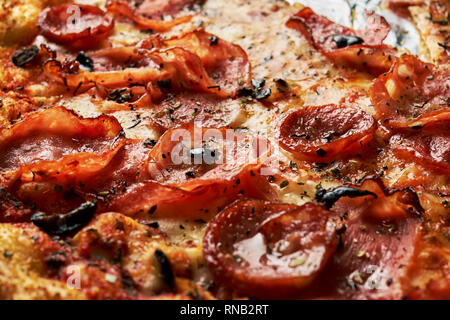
185 149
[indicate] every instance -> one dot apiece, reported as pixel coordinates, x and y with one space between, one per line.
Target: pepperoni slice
70 170
269 250
382 205
140 16
55 151
77 177
429 147
78 26
225 62
372 59
376 30
377 240
327 132
193 172
153 199
362 49
206 109
61 180
125 67
327 36
189 156
320 31
197 60
53 133
412 90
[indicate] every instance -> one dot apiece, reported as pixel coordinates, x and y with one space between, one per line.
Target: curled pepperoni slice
412 90
325 35
189 156
377 243
380 203
361 49
54 151
53 133
429 147
320 31
193 172
78 26
372 59
225 62
269 250
327 132
121 67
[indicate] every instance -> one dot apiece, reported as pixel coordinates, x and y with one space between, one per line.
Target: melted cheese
274 50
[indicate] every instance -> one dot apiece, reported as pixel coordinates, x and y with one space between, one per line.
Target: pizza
188 149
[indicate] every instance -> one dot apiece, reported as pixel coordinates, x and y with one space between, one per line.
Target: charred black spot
245 92
86 62
410 197
258 83
59 224
120 95
301 135
154 225
257 91
152 209
190 174
128 281
25 55
150 143
343 41
281 84
213 40
56 259
148 31
331 196
165 84
166 268
321 153
262 93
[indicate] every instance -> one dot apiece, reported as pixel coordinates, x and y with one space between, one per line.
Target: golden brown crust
434 34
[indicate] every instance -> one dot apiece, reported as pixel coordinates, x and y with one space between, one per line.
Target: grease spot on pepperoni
269 250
